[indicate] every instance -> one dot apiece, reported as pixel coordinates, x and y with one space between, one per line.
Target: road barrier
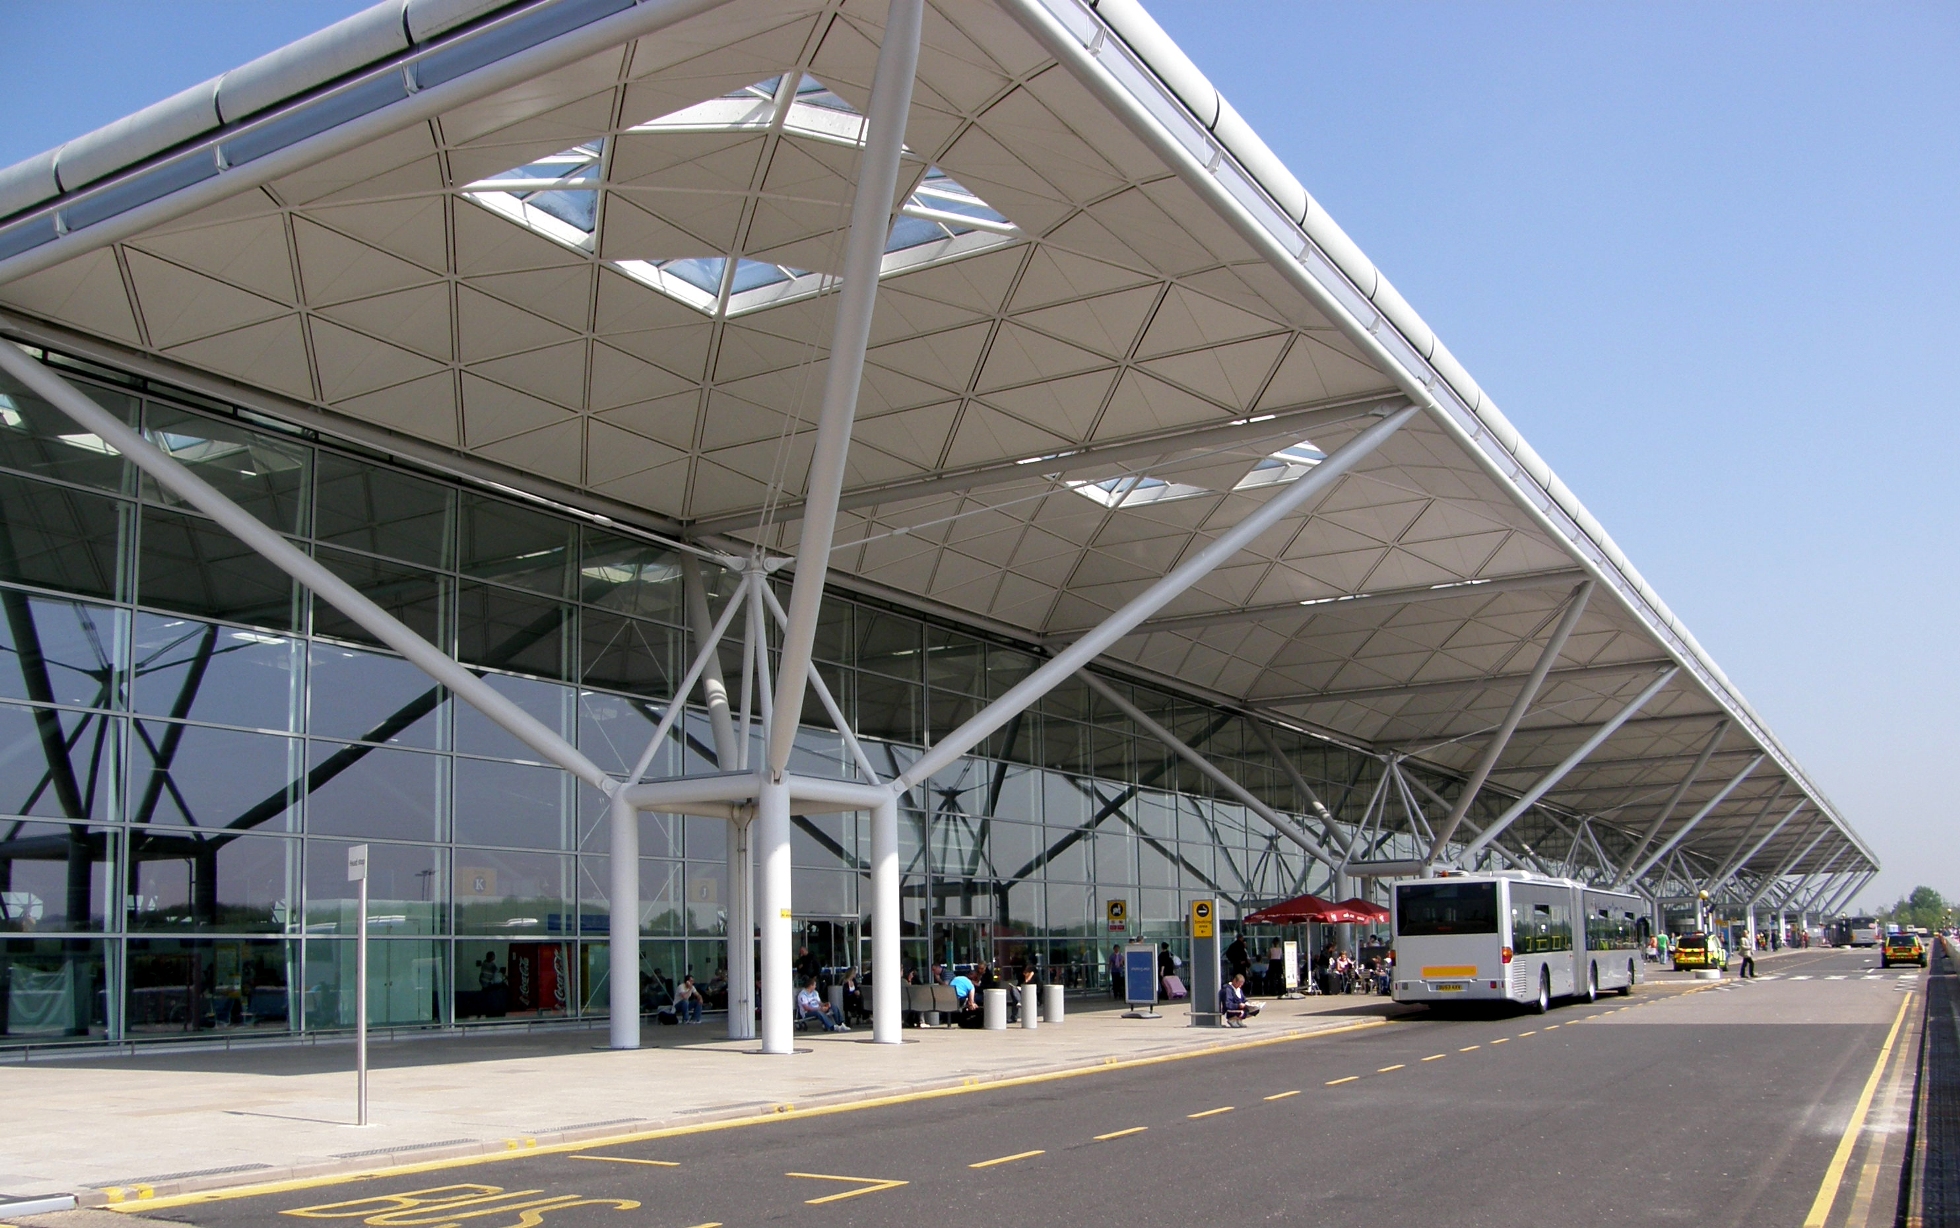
1933 1154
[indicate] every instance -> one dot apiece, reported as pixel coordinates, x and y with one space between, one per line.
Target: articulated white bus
1513 937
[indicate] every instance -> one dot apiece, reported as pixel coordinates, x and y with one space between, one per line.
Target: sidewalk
158 1123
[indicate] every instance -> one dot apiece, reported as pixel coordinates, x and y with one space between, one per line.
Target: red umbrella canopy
1297 911
1366 913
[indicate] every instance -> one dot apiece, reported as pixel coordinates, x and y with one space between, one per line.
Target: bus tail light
1506 954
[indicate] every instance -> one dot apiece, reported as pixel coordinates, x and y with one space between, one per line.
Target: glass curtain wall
189 744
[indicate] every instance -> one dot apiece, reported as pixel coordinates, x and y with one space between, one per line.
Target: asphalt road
1713 1106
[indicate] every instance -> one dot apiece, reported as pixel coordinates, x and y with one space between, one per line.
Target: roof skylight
558 197
1134 490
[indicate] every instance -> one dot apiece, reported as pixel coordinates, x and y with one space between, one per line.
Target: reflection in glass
632 577
514 545
614 729
195 882
412 595
37 438
211 778
61 652
526 980
889 644
261 473
225 675
663 898
405 884
54 537
369 791
512 804
407 983
372 697
628 654
58 764
202 984
54 877
190 565
382 511
507 892
53 988
507 629
476 734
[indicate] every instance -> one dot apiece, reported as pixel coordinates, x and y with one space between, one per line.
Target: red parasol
1365 913
1300 910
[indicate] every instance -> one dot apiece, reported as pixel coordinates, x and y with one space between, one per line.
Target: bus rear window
1445 908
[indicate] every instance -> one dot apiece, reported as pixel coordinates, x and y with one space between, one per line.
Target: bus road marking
867 1185
1024 1155
1209 1112
1283 1095
1104 1138
1337 1082
626 1160
1435 1057
1468 1048
1386 1069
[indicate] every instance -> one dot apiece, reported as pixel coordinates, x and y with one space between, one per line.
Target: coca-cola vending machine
538 977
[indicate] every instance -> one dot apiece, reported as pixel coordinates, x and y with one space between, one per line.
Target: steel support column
1694 820
1575 606
864 254
887 961
1791 861
1063 664
1734 864
1674 798
773 882
1551 778
623 951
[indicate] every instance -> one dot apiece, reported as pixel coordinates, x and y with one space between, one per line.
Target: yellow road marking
1386 1069
871 1185
779 1113
1522 1035
1468 1048
1209 1112
626 1160
1349 1079
1820 1209
1502 1041
1553 1027
1022 1155
1104 1138
710 1224
1435 1057
1283 1095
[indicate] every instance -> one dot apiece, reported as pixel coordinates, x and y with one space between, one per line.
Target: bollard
1051 1004
837 1003
1030 1006
994 1012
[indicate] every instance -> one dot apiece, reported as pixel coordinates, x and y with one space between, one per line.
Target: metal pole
1063 664
1694 820
1211 770
1790 862
179 480
361 1004
887 961
864 255
623 954
1735 863
1575 607
1680 791
677 706
1327 824
778 991
741 929
1572 760
714 687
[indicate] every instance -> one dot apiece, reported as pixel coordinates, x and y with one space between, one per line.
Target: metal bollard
1051 1004
1030 1006
994 1010
837 1003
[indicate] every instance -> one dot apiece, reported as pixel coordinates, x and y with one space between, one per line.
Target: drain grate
200 1172
388 1151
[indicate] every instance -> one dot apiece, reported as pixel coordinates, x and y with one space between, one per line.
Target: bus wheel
1626 990
1592 984
1543 1002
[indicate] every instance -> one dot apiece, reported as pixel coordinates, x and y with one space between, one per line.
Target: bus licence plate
1449 989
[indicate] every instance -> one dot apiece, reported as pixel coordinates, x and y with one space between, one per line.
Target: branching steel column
174 476
1694 821
1575 606
1734 864
1551 778
864 255
1790 861
1092 645
1674 799
1211 770
714 686
1327 823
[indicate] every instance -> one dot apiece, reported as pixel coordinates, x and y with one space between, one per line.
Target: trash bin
1051 1003
994 1010
1030 1006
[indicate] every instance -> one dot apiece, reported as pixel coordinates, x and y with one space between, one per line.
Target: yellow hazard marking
1022 1155
1820 1209
1435 1057
629 1160
1349 1079
451 1204
519 1144
1209 1112
1283 1095
1386 1069
1104 1138
871 1185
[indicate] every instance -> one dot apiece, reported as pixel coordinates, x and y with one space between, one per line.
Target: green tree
1924 907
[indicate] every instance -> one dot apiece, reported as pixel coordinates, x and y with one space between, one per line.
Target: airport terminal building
901 475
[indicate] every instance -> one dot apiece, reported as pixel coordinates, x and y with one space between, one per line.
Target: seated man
963 986
810 1006
687 1000
1232 1003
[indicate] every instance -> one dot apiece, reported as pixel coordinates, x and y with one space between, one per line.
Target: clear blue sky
1707 257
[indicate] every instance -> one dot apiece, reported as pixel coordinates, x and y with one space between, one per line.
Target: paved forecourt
1728 1103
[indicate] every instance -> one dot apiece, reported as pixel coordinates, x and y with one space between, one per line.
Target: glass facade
189 743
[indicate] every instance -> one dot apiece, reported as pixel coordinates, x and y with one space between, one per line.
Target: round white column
771 842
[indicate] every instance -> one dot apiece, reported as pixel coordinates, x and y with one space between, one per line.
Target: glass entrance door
832 943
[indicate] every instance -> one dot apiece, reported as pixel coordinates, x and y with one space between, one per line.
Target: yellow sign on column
1203 914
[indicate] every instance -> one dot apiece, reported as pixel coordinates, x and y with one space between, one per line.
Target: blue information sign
1140 974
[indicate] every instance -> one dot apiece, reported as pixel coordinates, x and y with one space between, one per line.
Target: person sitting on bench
810 1006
